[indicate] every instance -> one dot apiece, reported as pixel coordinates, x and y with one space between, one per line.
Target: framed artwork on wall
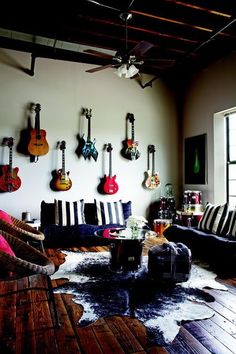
195 159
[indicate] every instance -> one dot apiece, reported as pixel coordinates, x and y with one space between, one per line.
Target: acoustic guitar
88 149
38 144
9 180
153 180
110 185
61 181
131 151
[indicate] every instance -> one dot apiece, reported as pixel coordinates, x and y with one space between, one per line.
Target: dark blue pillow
127 209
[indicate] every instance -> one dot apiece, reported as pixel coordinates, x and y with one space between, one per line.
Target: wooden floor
27 326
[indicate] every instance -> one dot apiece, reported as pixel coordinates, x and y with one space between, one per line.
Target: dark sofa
75 235
218 250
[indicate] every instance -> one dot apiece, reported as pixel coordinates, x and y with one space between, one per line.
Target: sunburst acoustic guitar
38 144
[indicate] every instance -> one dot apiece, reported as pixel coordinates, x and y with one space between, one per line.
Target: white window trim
219 143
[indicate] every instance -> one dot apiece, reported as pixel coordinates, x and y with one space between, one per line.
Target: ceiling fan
124 60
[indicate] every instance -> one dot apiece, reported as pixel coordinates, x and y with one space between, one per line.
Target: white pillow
214 218
109 212
69 213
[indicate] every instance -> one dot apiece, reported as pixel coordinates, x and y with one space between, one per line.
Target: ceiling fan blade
141 48
103 5
99 68
98 54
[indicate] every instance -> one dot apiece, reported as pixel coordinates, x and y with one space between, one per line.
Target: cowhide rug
160 308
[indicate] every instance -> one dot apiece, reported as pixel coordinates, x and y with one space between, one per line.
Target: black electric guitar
110 185
131 151
153 180
9 180
38 144
88 148
62 182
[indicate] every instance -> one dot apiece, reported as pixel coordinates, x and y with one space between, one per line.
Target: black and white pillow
214 218
109 212
69 213
232 224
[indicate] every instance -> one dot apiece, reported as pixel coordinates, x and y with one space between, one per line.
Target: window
231 159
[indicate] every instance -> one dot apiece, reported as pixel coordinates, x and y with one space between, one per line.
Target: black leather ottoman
170 262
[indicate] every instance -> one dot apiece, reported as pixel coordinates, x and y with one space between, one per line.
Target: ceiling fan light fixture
126 71
122 70
132 71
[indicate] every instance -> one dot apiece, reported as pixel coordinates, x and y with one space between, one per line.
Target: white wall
62 89
212 91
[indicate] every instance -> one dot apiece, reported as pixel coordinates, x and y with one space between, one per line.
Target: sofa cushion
47 213
69 213
232 224
214 218
75 235
109 212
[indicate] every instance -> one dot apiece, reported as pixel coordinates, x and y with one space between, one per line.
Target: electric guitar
88 148
38 144
153 180
131 152
9 181
110 185
62 182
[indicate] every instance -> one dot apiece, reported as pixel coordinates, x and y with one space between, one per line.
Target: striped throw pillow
109 212
232 224
214 218
69 213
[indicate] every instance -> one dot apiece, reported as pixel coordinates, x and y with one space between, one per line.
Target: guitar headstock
8 142
37 108
63 145
109 147
87 112
130 117
151 149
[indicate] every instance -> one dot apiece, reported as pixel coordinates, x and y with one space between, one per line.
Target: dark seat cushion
76 235
218 250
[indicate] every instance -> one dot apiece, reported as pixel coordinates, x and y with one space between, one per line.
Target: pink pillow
5 247
6 217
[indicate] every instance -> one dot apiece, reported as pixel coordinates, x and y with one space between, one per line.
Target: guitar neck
153 162
63 163
132 130
37 118
89 128
110 164
10 160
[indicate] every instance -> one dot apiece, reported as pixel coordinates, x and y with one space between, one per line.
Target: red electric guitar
9 181
38 144
62 182
110 186
131 151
